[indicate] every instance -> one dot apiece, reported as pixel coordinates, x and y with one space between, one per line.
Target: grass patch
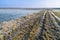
57 14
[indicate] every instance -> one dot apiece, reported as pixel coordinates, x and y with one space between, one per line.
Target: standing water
9 14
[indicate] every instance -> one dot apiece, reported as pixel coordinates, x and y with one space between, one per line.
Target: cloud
53 3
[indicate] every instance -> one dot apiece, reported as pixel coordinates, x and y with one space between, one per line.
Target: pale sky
29 3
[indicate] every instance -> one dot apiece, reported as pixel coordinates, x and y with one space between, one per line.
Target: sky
29 3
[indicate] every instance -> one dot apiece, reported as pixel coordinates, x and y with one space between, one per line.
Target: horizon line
29 8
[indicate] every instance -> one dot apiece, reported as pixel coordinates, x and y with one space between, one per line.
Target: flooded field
9 14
